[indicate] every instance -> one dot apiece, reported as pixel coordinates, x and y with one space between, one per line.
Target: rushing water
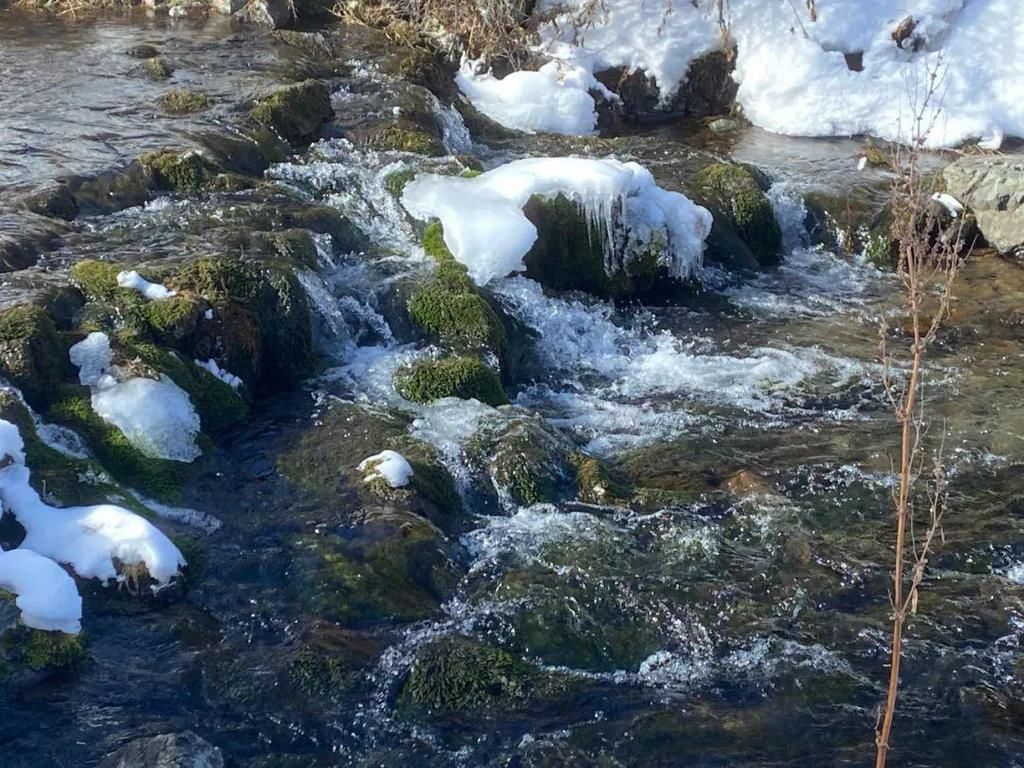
747 627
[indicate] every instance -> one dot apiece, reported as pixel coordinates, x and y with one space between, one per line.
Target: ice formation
793 73
152 291
92 540
486 230
389 466
156 415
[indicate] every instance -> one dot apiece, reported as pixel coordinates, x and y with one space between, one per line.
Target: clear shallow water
744 627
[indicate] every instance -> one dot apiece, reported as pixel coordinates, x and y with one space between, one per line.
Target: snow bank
156 416
792 73
89 539
554 99
152 291
389 466
228 378
486 230
46 593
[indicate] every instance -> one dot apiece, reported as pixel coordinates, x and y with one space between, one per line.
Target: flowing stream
746 626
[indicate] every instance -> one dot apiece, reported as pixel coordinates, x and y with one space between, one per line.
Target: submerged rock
24 236
993 188
172 750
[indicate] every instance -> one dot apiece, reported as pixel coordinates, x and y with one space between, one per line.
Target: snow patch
389 466
227 377
554 99
152 291
47 595
486 230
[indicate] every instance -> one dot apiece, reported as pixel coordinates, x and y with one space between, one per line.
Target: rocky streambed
640 520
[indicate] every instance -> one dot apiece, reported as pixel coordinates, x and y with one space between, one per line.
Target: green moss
732 189
450 308
391 567
458 674
157 68
465 377
171 320
32 355
295 246
96 279
470 173
176 171
317 674
569 251
528 464
596 484
156 477
40 650
395 137
296 112
395 181
434 245
325 459
183 101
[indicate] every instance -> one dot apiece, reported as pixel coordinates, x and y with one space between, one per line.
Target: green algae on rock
185 172
33 357
184 101
297 112
464 377
732 193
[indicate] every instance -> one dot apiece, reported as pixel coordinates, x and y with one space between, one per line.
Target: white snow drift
88 539
226 376
156 415
486 230
792 72
390 466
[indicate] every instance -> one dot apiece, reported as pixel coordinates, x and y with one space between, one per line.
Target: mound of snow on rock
486 230
389 466
554 99
89 539
793 73
151 291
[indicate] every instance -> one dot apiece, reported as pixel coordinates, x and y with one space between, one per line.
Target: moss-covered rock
395 181
570 254
741 208
528 463
460 675
32 355
295 246
387 566
185 172
184 101
22 648
157 68
405 139
450 309
324 461
596 483
465 377
159 478
297 112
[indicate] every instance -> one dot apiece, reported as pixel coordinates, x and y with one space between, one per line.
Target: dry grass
72 8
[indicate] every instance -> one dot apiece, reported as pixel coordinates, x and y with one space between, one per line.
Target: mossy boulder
184 101
596 483
261 327
386 566
449 309
185 172
464 377
401 138
33 357
28 654
297 112
570 254
159 478
745 233
458 674
527 462
157 68
324 461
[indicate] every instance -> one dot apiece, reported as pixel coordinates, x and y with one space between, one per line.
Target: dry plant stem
929 260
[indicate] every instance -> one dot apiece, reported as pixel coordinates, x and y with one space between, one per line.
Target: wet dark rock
173 750
51 199
143 51
112 190
24 236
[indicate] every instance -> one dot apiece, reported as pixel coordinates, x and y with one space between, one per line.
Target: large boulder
993 187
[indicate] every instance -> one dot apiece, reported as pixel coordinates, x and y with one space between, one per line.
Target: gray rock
171 750
724 125
993 187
